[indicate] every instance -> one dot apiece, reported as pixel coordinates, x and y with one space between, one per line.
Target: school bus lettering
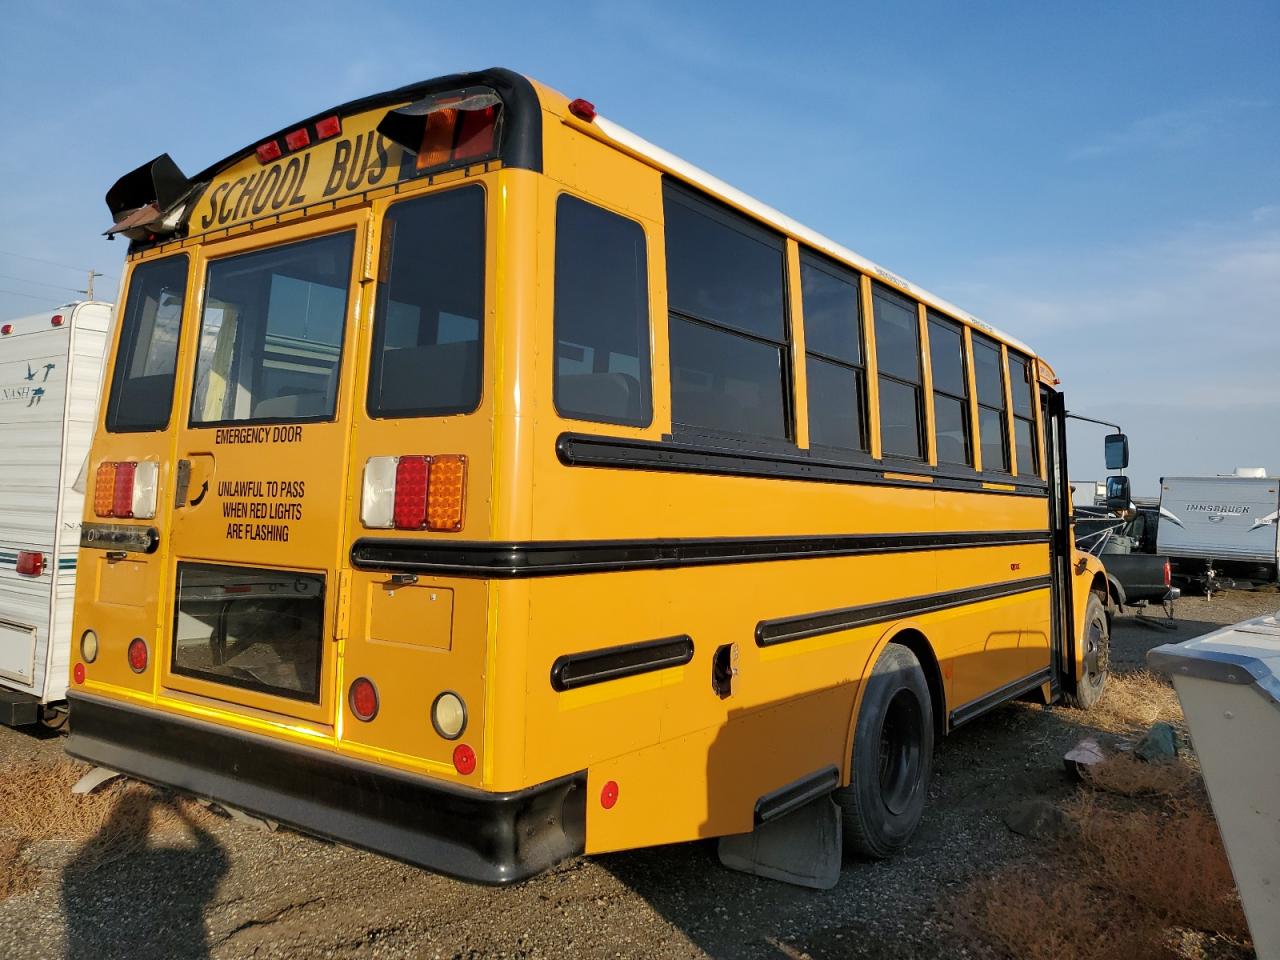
730 594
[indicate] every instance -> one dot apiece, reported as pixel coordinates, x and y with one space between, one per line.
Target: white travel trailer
50 370
1224 524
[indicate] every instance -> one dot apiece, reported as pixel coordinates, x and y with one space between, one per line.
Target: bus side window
897 326
142 385
988 373
601 316
950 391
726 283
833 354
1022 386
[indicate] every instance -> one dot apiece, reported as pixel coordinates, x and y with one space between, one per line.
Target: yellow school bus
478 483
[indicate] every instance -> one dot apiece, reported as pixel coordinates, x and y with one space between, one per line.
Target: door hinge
342 627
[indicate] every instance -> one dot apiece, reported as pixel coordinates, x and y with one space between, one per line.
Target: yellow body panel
687 763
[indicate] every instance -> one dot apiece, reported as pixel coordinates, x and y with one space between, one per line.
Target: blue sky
1102 181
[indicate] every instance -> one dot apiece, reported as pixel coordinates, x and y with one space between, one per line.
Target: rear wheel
1097 654
892 757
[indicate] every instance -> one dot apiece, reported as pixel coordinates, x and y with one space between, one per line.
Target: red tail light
137 655
30 563
122 494
7 329
363 699
1168 574
56 320
475 133
412 474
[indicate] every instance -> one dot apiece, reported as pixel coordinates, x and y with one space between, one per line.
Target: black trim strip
542 558
796 794
787 629
591 450
1015 688
575 670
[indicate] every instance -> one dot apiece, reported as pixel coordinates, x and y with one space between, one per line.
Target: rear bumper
493 838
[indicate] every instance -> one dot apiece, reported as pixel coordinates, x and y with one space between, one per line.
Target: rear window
142 385
271 333
429 314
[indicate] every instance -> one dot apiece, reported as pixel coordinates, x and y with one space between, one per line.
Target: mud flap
803 847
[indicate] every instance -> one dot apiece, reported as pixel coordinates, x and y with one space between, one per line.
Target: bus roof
713 185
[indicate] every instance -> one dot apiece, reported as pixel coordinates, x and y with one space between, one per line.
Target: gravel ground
226 890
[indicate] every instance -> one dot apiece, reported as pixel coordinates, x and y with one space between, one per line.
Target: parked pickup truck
1135 579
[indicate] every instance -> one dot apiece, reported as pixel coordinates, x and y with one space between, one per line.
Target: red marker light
298 139
583 109
30 563
609 794
268 151
77 673
7 329
56 320
328 127
464 759
363 699
137 654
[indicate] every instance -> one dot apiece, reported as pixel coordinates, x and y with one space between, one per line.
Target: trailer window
142 385
1022 386
988 374
897 326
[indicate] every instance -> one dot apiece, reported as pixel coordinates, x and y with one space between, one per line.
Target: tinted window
946 356
993 430
995 444
952 417
428 319
142 383
833 349
1022 386
897 336
722 268
987 372
832 326
271 333
836 405
950 391
728 322
897 327
602 316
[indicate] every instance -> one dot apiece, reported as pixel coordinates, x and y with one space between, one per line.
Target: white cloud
1167 130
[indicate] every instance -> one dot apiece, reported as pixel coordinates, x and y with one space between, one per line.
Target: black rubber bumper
492 838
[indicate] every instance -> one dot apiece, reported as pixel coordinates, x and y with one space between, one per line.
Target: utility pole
89 292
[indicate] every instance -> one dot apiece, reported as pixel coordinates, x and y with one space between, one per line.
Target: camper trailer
50 368
1220 527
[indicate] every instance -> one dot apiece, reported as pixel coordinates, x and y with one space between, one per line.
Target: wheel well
1104 585
917 643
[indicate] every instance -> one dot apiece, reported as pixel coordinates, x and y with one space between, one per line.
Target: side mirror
1118 493
1116 450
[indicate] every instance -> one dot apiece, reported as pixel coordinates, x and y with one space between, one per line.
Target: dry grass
1127 776
1143 884
1132 702
36 804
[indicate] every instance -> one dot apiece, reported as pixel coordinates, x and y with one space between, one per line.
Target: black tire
1097 655
892 758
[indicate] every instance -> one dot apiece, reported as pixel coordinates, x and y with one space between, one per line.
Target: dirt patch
17 874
